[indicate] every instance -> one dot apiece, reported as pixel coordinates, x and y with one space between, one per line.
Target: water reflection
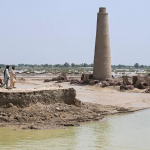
35 139
124 132
93 136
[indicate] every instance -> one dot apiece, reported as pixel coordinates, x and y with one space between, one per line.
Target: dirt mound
126 87
141 82
86 78
126 80
42 116
61 78
75 81
47 95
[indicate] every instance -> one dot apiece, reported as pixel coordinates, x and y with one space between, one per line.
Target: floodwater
120 132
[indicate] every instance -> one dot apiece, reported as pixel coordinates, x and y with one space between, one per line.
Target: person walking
6 77
12 77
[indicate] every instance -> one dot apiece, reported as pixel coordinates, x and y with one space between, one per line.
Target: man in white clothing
6 77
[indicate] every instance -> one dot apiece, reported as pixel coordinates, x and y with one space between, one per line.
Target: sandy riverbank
96 103
104 96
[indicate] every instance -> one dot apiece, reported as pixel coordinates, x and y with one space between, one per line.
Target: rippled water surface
123 132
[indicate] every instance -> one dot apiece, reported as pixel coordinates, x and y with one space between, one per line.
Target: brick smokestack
102 58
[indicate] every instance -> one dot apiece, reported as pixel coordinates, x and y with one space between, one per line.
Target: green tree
141 66
57 65
72 65
50 66
119 66
85 65
91 65
45 65
20 65
66 64
136 65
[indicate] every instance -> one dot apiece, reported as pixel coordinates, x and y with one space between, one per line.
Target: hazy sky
59 31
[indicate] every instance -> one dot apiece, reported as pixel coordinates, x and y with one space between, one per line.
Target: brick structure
102 58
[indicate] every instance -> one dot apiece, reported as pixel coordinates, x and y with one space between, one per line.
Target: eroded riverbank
96 104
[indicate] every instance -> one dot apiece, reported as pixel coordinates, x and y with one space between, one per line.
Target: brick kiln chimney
102 58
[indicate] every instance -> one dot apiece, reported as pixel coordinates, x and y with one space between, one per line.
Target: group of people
9 75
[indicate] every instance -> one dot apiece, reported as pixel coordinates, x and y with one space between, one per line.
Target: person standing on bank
12 77
6 77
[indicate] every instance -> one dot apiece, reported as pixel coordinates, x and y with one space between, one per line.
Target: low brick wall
48 96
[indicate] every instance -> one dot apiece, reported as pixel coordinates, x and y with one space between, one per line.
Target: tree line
66 65
136 65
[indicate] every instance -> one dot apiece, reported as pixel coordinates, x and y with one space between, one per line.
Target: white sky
48 31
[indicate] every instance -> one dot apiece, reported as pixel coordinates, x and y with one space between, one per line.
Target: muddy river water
120 132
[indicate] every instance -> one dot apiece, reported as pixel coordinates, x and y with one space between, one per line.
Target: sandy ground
104 96
112 96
